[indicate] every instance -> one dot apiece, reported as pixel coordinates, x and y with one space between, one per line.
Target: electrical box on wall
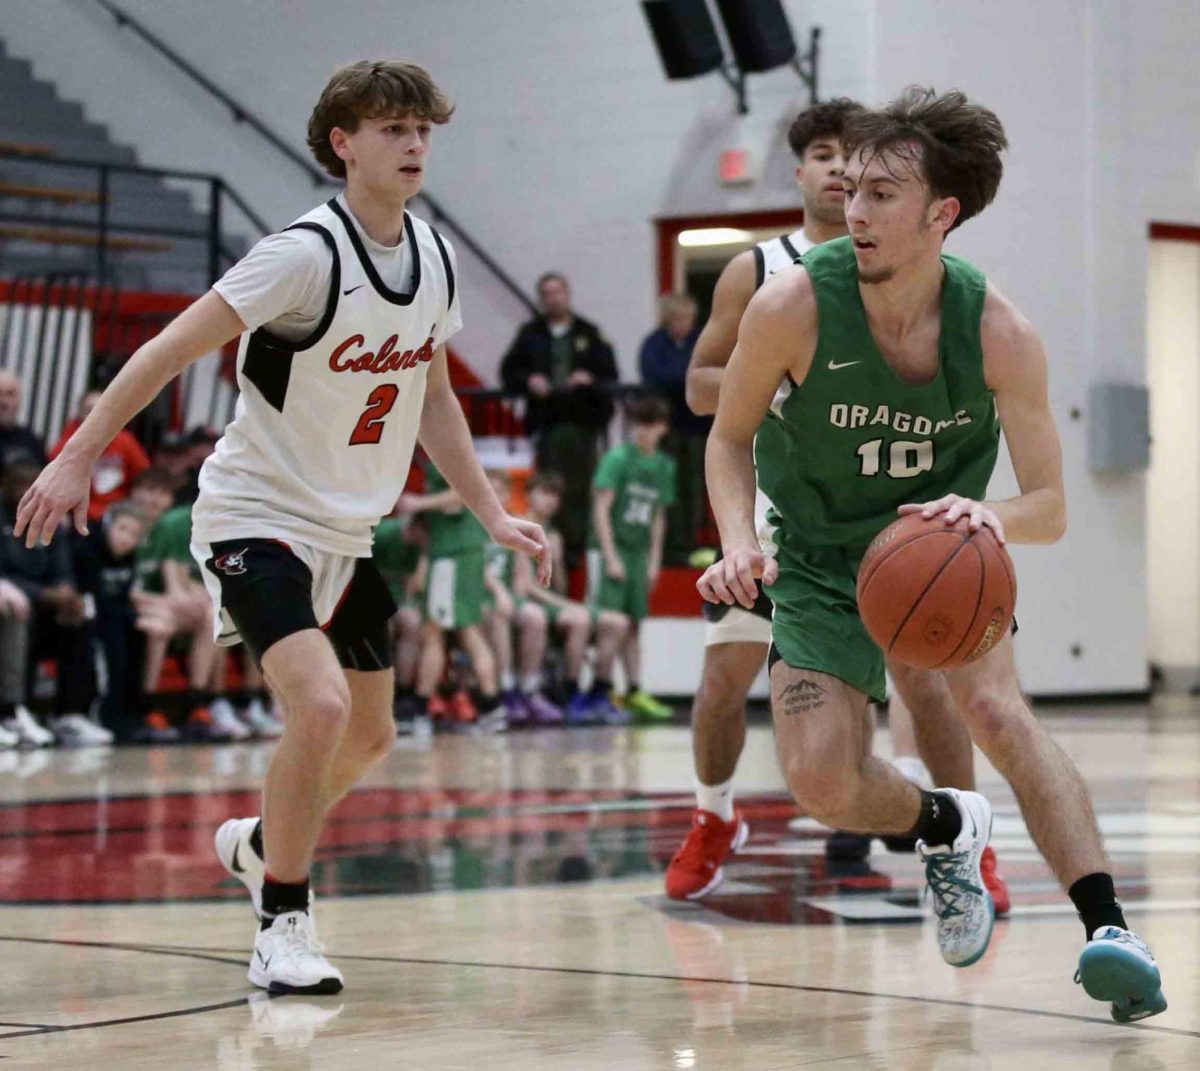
1118 416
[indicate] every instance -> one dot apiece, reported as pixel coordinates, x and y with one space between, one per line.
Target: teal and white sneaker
1116 966
961 902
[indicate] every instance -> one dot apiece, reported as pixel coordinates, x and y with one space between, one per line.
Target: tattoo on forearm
802 696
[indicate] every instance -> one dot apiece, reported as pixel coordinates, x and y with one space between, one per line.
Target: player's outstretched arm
777 338
447 440
64 484
735 287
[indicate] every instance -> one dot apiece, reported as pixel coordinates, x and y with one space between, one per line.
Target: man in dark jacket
563 365
17 443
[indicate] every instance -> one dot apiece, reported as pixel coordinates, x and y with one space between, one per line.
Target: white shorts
331 576
737 625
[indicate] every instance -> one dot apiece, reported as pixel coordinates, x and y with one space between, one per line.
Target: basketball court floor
496 903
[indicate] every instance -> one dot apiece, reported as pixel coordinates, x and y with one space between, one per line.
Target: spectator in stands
508 608
573 620
563 364
105 569
664 362
634 484
398 550
115 469
198 444
47 622
153 492
173 455
17 443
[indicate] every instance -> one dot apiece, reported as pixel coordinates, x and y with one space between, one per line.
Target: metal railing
243 115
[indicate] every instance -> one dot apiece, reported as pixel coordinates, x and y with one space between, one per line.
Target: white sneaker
8 738
961 902
261 721
232 841
30 731
78 730
1118 968
226 722
287 958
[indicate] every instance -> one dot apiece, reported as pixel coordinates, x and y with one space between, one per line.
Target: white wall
568 141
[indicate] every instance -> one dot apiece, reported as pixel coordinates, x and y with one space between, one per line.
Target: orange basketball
936 596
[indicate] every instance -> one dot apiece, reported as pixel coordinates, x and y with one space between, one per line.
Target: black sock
278 898
484 703
239 698
940 822
633 688
601 687
256 841
1096 901
403 691
7 710
263 696
571 689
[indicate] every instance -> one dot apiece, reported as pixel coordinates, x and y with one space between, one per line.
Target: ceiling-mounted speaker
758 32
685 35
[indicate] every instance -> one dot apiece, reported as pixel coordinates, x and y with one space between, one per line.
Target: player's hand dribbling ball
935 595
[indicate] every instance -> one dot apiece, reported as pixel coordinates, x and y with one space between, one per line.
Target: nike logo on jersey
845 364
347 293
388 359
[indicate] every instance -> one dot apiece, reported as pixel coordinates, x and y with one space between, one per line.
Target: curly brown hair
824 120
954 144
371 89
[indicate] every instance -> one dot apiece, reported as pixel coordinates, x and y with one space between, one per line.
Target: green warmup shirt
395 557
853 442
641 483
169 540
455 533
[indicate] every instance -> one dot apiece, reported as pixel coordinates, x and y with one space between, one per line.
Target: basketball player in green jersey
905 365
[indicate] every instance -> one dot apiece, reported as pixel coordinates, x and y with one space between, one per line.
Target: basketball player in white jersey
343 318
736 639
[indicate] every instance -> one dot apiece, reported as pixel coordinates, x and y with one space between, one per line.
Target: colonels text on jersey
323 435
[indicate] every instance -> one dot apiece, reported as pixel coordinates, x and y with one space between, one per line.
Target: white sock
531 682
506 681
914 769
716 798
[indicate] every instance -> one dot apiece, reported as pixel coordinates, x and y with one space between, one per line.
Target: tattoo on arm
802 696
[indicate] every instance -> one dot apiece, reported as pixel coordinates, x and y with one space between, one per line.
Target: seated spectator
505 611
116 468
563 364
17 443
153 492
454 603
46 621
664 361
634 484
399 553
575 621
198 444
105 568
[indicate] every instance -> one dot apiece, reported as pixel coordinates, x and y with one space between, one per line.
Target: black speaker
758 32
685 35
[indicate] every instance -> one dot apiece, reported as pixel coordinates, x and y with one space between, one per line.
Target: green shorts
554 611
630 596
455 589
816 623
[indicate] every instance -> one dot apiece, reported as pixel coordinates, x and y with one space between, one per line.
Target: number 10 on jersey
905 458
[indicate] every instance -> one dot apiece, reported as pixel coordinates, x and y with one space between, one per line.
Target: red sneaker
436 707
696 868
994 882
462 710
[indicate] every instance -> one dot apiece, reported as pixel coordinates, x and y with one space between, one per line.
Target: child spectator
454 603
575 621
508 607
633 485
398 550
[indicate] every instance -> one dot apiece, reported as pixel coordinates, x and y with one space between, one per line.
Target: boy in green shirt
633 485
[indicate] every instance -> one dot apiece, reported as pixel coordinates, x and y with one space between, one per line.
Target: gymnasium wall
568 141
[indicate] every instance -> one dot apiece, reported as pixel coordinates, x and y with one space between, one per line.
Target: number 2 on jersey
370 425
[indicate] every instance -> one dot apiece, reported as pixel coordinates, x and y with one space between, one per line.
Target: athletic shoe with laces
462 709
1117 967
606 712
156 729
260 721
226 722
8 738
78 730
644 707
994 883
516 708
580 710
961 901
542 712
288 958
30 732
698 867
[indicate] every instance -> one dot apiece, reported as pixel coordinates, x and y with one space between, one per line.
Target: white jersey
322 438
772 256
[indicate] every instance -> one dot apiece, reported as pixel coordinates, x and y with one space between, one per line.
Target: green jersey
498 561
850 444
641 484
395 557
169 540
454 532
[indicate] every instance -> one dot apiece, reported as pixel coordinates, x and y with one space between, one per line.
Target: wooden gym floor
496 903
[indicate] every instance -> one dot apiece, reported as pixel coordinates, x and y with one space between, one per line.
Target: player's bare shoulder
1011 346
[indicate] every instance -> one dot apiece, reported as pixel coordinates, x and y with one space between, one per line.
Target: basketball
936 596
